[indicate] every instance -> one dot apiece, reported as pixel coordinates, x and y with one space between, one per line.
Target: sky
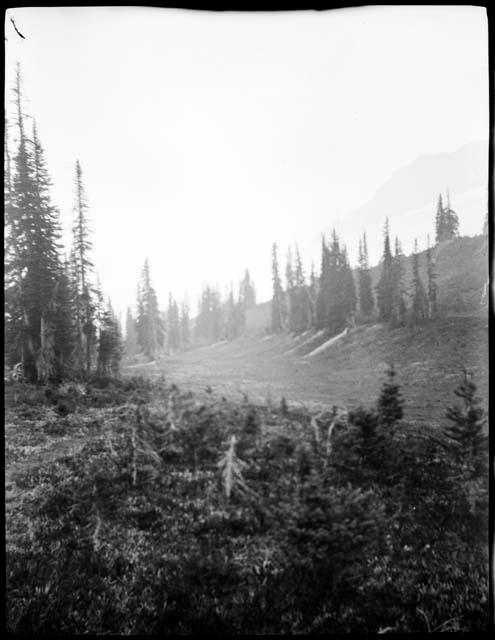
205 137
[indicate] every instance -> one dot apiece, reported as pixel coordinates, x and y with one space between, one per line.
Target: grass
430 360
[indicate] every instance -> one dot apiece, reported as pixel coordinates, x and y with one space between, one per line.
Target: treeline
152 332
340 296
57 322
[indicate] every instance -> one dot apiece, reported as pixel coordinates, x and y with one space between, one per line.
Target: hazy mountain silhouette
409 199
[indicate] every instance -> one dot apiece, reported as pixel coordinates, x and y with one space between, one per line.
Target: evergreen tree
185 338
32 262
440 220
432 284
83 268
334 290
349 288
110 345
446 221
366 300
131 344
65 330
279 312
247 292
149 326
290 292
302 297
313 296
322 300
399 308
451 221
467 428
209 320
384 288
389 404
173 323
419 306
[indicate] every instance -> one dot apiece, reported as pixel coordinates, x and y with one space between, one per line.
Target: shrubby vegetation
195 514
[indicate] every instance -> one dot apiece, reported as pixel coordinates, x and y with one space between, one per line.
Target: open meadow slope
429 361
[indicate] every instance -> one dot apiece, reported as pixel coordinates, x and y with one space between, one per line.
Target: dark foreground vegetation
182 514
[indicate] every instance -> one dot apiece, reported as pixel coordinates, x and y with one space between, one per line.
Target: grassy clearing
429 359
134 507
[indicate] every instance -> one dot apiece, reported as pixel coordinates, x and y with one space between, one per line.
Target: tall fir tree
399 307
302 296
290 292
323 293
131 345
65 328
466 430
173 324
446 221
419 305
247 292
278 307
349 288
390 402
432 280
366 299
313 296
149 325
384 288
110 346
185 334
32 260
451 220
83 271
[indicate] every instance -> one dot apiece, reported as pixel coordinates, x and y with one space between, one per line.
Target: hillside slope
429 361
462 271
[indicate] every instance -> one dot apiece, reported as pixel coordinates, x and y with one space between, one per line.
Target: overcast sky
204 137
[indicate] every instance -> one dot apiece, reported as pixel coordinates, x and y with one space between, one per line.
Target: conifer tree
110 345
131 345
149 326
336 312
247 292
440 220
322 300
185 337
278 300
432 284
451 220
313 296
231 317
399 307
384 289
366 300
209 319
173 323
446 221
302 297
419 306
389 404
65 330
83 268
466 430
290 292
349 288
32 257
